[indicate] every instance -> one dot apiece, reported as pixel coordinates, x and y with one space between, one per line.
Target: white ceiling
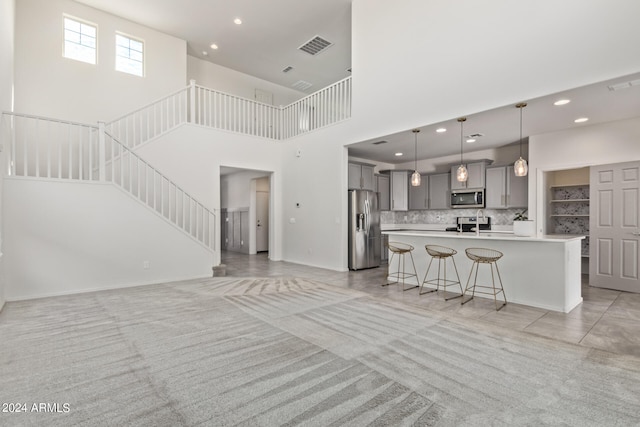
273 30
265 43
501 126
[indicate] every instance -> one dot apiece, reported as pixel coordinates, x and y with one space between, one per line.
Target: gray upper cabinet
382 187
439 191
505 189
399 191
475 179
419 196
517 189
361 176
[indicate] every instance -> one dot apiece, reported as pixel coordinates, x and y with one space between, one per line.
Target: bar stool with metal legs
401 249
442 254
484 256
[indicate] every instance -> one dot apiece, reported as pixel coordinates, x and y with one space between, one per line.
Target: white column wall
52 86
69 237
7 9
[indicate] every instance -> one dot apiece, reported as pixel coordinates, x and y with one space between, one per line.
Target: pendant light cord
461 120
520 106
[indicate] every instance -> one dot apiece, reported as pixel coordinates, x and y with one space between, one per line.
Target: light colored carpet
274 351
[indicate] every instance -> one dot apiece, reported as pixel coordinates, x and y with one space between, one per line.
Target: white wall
223 79
419 62
52 86
235 189
77 237
7 9
600 144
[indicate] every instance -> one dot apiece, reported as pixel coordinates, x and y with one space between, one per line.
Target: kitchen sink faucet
478 213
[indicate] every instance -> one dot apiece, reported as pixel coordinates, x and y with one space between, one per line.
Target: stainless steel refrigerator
364 230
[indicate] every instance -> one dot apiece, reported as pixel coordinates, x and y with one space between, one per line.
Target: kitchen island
540 272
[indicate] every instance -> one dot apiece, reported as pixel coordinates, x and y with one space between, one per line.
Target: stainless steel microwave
467 199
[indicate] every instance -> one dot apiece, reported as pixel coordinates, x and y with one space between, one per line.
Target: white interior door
262 221
615 226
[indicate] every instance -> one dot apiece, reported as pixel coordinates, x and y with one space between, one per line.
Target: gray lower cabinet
234 230
504 189
399 191
439 191
382 187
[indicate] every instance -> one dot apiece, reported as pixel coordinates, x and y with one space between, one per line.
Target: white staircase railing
151 121
211 108
54 149
49 148
232 113
322 108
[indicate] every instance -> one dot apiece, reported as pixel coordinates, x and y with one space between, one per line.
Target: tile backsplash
446 216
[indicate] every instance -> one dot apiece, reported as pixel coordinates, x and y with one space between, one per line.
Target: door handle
635 233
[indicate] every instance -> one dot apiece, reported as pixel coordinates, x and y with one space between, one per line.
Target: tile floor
607 319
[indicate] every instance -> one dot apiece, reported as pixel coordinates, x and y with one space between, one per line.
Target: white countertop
484 235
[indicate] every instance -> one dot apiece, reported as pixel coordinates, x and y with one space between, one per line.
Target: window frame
82 22
130 39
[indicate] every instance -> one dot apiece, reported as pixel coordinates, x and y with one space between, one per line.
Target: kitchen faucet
478 213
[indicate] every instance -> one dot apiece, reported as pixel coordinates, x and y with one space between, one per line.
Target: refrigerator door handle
367 213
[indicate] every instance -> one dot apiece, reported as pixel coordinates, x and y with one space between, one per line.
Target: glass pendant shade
520 167
462 174
415 179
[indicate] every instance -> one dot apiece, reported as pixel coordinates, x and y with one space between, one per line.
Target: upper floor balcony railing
211 108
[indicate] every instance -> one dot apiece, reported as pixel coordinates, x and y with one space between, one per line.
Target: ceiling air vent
380 142
315 45
475 135
624 85
301 85
287 69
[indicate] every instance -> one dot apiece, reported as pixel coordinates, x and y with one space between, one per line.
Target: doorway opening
246 210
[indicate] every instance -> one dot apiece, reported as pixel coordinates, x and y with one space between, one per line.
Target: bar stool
400 249
442 254
484 256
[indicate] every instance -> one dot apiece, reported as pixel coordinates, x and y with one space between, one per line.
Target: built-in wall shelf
569 212
569 186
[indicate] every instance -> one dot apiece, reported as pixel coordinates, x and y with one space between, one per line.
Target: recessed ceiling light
440 130
470 140
213 46
562 102
398 154
237 21
581 120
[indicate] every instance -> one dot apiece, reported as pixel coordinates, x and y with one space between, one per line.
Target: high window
129 55
80 40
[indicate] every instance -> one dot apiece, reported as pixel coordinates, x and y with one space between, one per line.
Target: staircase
50 149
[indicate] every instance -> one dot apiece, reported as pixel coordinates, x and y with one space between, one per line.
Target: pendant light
462 174
415 176
520 167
